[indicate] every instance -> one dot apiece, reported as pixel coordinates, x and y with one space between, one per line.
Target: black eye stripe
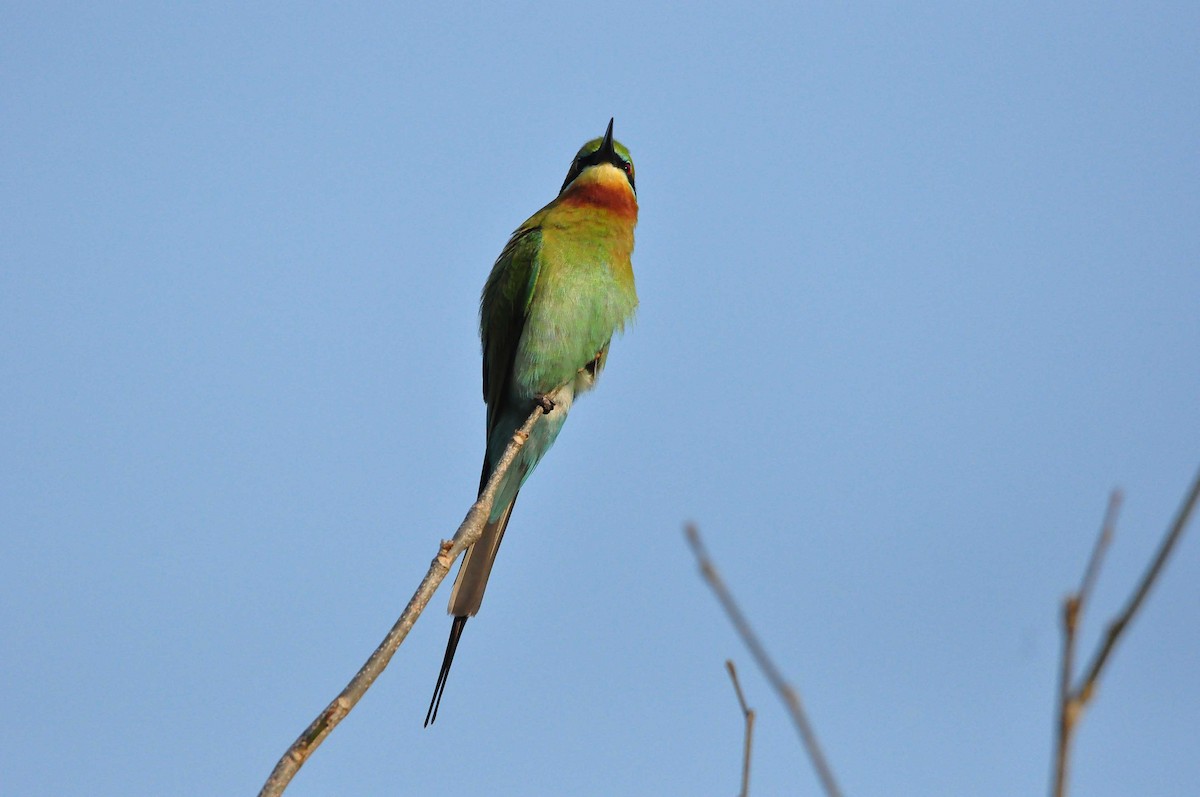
582 162
596 158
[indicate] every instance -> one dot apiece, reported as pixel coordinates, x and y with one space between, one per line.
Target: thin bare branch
787 694
1074 699
1108 529
748 738
1073 607
468 532
1118 626
1066 722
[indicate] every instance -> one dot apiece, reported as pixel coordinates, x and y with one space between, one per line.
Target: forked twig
468 533
1073 606
1072 700
789 696
748 738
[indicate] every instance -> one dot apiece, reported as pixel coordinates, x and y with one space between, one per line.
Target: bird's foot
545 402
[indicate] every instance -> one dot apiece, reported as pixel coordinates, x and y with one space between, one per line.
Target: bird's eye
628 167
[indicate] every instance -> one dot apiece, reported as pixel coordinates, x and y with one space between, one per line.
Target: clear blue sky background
919 285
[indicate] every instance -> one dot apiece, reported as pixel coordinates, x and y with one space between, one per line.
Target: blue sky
919 286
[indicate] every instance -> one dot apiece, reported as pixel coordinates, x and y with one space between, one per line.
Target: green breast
584 293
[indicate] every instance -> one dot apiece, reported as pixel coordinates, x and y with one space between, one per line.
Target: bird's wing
503 309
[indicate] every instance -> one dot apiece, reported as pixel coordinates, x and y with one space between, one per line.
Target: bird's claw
545 402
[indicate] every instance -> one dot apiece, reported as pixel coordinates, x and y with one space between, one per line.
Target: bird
561 288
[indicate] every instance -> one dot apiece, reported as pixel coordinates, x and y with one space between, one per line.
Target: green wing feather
503 308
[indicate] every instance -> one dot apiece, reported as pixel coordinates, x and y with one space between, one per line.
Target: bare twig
1117 626
1073 607
787 694
1073 700
748 741
468 532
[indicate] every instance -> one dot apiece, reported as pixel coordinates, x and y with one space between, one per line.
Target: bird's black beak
606 153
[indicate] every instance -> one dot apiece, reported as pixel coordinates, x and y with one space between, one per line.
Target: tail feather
456 630
468 595
476 568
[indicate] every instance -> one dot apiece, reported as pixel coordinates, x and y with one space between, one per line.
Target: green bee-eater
559 290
